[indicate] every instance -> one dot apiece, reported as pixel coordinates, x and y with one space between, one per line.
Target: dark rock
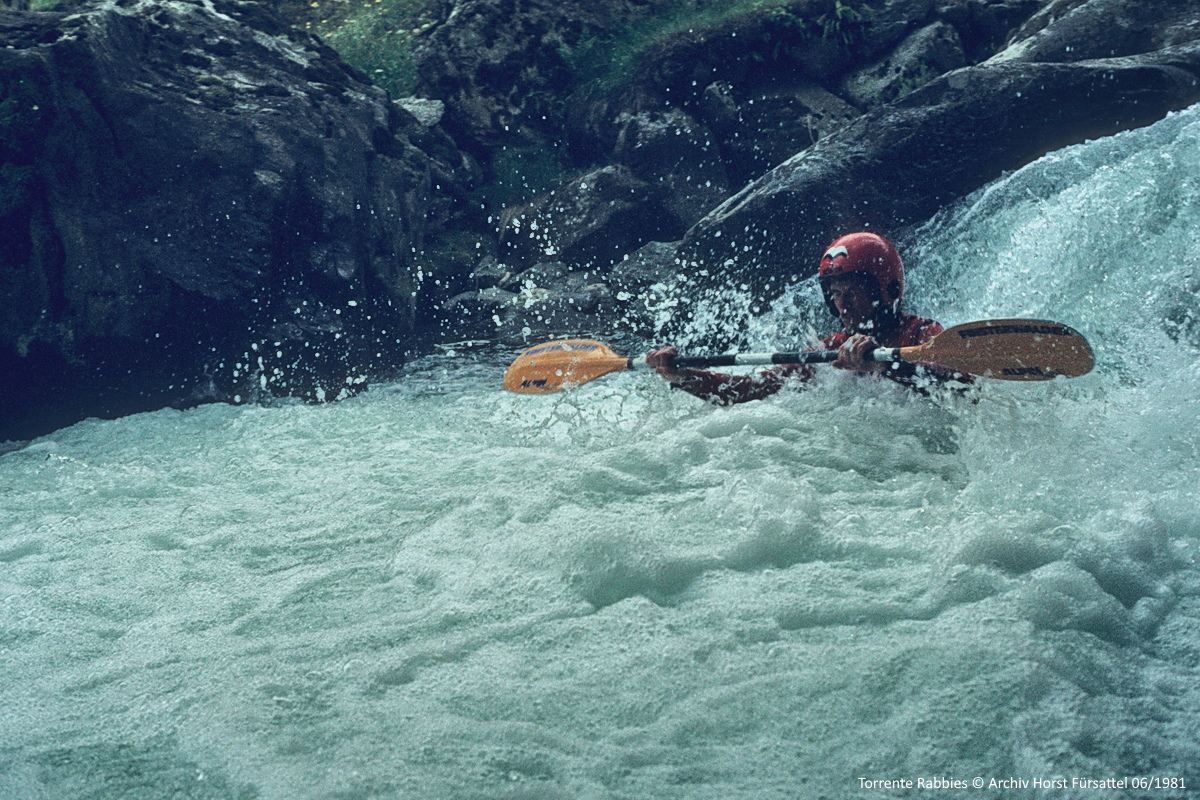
755 49
564 304
544 274
1050 12
1070 30
643 286
475 308
922 56
489 272
902 162
984 26
198 202
892 21
592 221
761 47
426 112
671 150
653 264
502 67
547 313
552 299
768 127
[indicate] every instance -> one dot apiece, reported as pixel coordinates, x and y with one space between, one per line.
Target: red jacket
729 389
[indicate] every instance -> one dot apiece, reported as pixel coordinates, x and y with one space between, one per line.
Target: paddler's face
855 303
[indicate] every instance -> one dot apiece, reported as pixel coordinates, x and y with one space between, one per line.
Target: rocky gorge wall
200 201
733 151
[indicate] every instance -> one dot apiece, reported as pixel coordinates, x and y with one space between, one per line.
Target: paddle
1008 349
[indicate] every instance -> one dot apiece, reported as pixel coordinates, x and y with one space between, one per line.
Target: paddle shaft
754 359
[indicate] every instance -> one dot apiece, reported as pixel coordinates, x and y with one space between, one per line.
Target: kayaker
862 278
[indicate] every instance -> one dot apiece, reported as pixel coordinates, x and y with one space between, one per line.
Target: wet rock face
1075 30
901 162
922 56
199 202
593 221
502 66
878 121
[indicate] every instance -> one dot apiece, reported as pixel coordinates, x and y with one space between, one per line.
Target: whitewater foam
438 590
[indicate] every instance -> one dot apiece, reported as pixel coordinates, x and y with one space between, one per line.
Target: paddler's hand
662 361
852 355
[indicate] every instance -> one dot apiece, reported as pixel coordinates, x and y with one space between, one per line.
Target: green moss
376 36
843 21
603 63
911 82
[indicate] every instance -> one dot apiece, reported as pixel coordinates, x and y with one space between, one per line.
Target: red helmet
866 254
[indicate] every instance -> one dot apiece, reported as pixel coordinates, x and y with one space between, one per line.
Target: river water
439 590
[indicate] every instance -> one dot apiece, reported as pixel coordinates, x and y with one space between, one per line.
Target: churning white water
439 590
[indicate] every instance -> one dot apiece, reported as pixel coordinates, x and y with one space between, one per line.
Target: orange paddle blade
1008 349
553 366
